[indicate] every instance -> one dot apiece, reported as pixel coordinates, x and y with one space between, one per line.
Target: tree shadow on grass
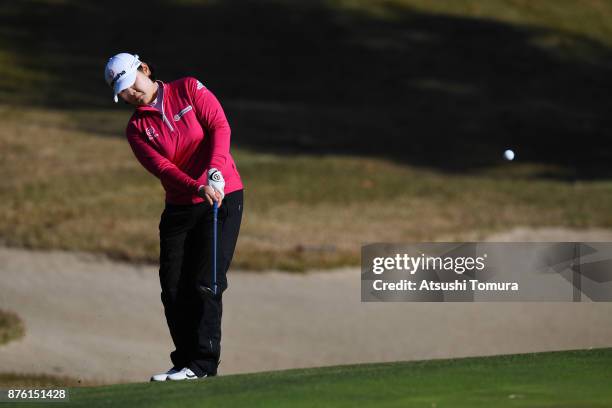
439 91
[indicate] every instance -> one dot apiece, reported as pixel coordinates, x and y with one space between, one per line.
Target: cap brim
125 82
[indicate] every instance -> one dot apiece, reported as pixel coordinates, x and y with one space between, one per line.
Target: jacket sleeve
212 118
170 175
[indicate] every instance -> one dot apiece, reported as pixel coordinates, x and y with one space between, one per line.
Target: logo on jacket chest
151 133
179 115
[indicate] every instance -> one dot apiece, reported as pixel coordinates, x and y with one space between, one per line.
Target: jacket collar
144 108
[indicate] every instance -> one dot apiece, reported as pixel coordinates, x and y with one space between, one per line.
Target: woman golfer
179 133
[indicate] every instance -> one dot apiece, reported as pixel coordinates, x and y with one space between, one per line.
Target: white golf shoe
184 374
164 376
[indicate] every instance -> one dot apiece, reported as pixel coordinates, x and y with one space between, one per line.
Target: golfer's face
137 93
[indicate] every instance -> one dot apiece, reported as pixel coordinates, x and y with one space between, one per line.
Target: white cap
120 72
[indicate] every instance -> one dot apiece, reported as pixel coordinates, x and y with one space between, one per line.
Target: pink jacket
180 144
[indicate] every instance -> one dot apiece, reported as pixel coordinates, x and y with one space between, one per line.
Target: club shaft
215 212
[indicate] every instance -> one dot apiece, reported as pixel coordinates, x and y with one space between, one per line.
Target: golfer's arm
162 168
212 118
219 132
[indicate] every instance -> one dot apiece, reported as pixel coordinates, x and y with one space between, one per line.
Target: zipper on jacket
165 119
167 122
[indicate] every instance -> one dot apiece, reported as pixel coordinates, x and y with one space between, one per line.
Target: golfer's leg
229 228
173 227
199 255
209 331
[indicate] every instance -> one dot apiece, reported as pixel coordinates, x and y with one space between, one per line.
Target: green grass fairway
554 379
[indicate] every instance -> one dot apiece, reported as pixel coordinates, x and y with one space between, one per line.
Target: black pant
185 267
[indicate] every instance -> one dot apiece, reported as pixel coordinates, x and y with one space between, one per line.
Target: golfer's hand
210 195
216 181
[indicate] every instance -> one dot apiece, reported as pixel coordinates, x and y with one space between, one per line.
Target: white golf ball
509 155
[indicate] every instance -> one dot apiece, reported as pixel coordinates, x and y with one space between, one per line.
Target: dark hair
152 76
